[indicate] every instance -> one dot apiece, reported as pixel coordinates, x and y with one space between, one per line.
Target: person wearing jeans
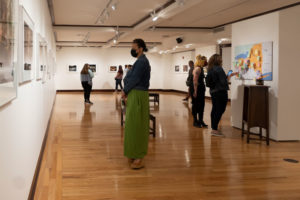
216 80
86 77
119 78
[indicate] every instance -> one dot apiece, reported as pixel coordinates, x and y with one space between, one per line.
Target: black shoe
186 99
89 102
204 125
197 124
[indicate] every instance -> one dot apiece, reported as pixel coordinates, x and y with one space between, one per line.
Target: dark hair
85 69
214 60
141 44
120 69
191 62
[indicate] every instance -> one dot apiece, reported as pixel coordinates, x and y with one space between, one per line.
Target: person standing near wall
86 77
189 81
136 97
119 78
216 80
198 92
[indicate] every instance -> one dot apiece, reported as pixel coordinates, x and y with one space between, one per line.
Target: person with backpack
189 80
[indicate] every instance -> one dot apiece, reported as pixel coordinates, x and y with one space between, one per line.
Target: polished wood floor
83 158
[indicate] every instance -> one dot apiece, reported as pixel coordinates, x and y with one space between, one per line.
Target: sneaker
89 102
217 134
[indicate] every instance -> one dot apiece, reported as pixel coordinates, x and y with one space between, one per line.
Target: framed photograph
93 67
113 69
177 68
72 68
8 48
27 49
185 69
40 61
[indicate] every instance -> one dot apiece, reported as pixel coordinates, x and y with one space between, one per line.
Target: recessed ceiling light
114 7
115 41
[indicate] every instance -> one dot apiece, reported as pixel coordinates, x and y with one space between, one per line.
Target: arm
136 75
91 73
196 73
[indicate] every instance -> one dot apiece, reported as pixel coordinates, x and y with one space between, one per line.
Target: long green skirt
137 124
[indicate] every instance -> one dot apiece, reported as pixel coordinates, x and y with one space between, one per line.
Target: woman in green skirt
136 97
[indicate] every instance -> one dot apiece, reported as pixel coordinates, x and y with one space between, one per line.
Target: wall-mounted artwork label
185 69
113 69
8 47
177 68
72 68
254 61
93 68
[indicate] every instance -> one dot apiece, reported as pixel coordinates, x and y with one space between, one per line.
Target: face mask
134 53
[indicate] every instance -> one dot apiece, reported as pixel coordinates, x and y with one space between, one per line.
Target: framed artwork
27 49
8 50
93 67
40 61
72 68
177 68
254 61
185 69
113 69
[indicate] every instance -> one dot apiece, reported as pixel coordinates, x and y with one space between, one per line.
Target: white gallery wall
282 28
24 121
289 70
163 75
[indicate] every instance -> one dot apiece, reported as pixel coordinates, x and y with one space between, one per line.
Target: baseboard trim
40 159
111 90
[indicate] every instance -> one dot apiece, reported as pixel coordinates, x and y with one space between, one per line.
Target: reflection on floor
84 160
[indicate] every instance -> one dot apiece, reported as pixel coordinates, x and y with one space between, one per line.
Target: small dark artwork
27 67
113 68
177 69
93 68
72 68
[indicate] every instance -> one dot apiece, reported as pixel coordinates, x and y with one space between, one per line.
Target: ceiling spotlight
114 7
154 16
115 41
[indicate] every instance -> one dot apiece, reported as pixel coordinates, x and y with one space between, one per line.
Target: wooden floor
83 159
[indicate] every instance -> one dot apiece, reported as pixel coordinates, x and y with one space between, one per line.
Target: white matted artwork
27 49
185 69
45 63
93 67
8 50
72 68
40 61
177 69
113 69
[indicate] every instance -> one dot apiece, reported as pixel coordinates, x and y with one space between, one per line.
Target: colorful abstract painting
254 61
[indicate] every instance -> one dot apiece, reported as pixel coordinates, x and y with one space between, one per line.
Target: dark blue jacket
139 76
216 80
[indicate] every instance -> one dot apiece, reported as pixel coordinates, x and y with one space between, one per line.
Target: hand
123 95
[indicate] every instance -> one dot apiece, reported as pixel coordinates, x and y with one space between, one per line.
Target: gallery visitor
216 80
86 77
189 80
119 78
198 91
136 97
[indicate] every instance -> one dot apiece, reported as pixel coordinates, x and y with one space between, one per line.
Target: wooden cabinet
256 110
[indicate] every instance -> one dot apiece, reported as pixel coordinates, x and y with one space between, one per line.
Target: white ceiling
79 18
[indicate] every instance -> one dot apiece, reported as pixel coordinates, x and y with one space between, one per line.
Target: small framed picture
113 69
72 68
93 67
177 68
185 69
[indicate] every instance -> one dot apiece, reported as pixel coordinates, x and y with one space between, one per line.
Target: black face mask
134 53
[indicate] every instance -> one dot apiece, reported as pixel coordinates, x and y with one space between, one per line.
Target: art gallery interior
53 146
